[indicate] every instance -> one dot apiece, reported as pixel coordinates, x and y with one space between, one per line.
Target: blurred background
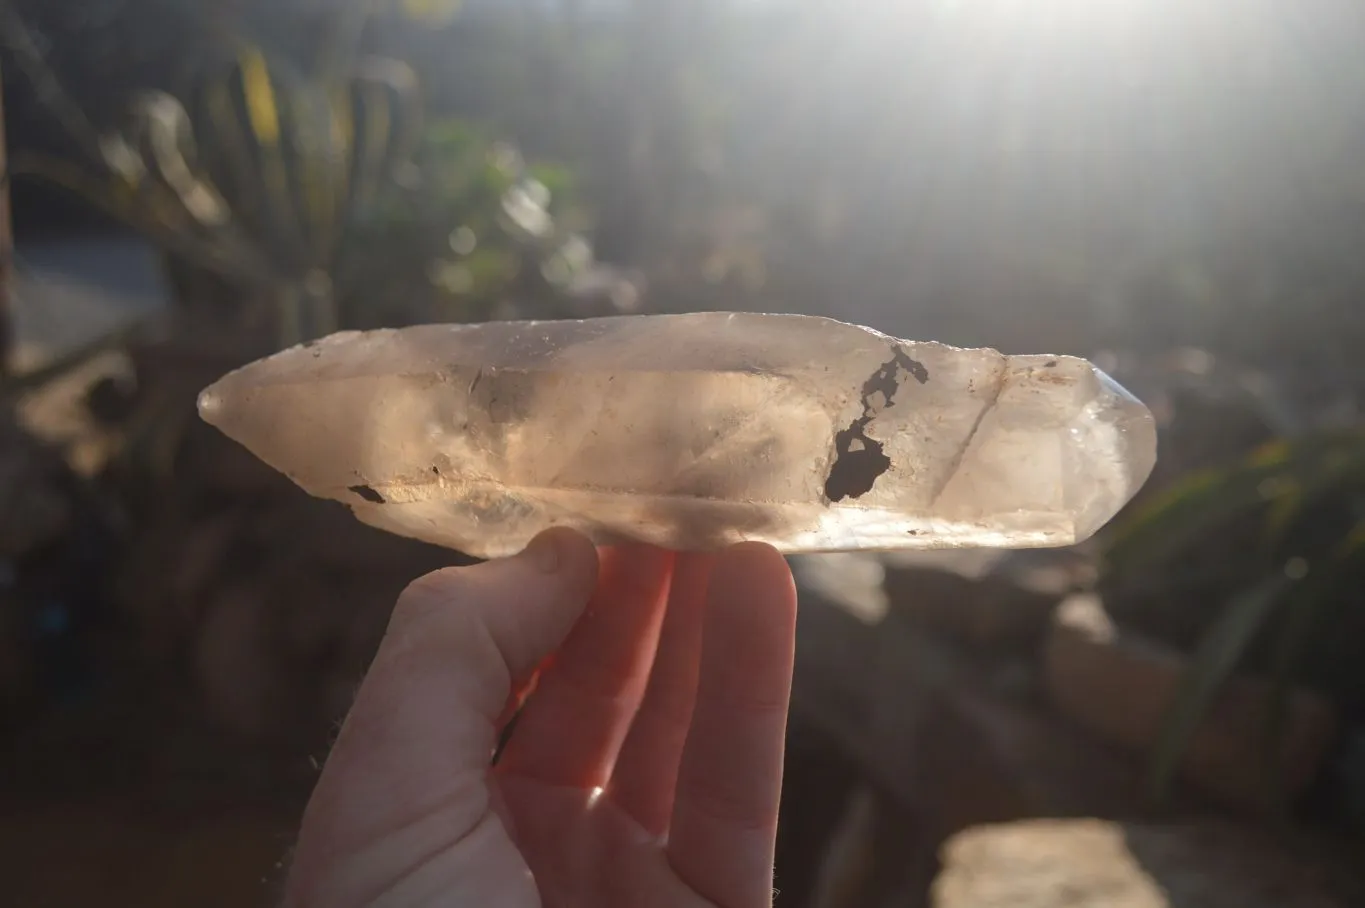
1170 716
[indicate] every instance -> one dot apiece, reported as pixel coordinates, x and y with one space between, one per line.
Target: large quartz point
692 432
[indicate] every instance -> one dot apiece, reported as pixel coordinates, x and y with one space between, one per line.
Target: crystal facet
692 432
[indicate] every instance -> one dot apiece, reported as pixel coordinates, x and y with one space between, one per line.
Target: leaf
1209 500
556 178
490 267
166 129
1186 513
155 221
245 131
1294 523
431 12
262 110
388 127
1284 513
54 97
1209 668
1306 604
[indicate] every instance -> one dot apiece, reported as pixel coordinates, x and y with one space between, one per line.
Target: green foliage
1218 655
471 227
435 12
310 182
1295 512
255 175
1281 483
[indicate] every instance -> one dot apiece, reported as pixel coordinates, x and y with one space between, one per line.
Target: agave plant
257 173
1281 541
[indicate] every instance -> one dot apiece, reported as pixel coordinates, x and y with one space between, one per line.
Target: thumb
421 732
457 641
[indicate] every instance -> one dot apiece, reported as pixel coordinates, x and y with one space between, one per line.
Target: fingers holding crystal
730 777
646 771
572 729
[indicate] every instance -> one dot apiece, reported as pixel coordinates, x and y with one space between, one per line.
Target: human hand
645 769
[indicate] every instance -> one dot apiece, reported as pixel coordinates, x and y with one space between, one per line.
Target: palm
591 853
627 780
645 769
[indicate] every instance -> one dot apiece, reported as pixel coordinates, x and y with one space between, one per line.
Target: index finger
724 826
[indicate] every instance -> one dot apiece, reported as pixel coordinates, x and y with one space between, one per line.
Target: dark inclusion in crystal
859 460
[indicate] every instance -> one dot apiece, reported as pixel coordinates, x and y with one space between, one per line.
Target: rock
818 782
920 715
877 857
57 412
861 681
691 432
1087 863
1119 684
922 720
990 600
984 759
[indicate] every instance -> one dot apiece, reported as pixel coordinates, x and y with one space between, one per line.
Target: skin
645 769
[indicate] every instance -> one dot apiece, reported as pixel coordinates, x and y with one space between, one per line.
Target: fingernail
544 551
